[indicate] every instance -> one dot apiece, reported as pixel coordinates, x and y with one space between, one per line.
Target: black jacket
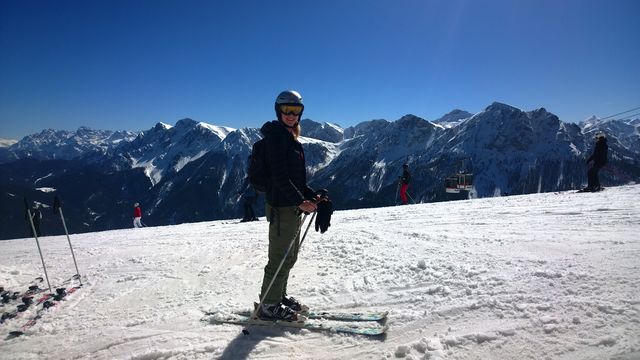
599 155
286 164
406 177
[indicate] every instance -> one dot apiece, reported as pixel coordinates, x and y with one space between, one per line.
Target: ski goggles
291 109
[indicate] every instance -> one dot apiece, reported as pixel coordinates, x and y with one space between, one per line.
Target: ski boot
295 305
277 312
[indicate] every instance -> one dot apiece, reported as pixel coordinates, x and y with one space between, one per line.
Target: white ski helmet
600 135
136 205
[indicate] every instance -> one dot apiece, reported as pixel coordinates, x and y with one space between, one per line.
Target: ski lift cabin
451 184
465 181
457 182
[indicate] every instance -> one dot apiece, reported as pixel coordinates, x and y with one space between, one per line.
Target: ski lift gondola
465 181
462 181
451 184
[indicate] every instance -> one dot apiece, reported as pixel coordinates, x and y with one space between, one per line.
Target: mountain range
194 171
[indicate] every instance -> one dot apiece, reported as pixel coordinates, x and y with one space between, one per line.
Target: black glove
323 217
322 194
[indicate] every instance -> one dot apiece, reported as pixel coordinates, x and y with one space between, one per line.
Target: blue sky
126 65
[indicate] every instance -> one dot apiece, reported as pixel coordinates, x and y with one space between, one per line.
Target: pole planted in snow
35 236
57 208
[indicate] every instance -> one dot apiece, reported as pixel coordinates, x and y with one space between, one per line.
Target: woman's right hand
308 206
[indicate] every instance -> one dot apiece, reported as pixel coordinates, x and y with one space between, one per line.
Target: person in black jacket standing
249 196
287 197
599 158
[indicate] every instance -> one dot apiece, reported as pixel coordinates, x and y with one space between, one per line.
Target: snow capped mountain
365 127
167 149
62 144
512 151
193 171
508 150
627 132
325 131
453 118
7 142
368 161
4 145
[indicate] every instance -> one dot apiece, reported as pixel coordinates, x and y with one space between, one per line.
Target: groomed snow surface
543 276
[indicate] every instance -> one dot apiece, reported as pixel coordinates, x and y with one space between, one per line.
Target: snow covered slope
542 276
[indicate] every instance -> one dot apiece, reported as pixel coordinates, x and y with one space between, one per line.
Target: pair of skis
26 298
46 301
8 296
368 324
590 190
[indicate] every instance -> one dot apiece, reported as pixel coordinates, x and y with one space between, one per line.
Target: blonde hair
297 130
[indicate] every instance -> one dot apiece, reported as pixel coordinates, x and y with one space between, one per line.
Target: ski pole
273 279
58 208
413 201
35 235
397 191
307 230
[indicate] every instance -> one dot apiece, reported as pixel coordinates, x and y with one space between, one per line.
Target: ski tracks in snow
536 276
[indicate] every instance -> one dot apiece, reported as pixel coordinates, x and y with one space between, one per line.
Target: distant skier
137 216
599 158
36 216
404 184
325 209
249 197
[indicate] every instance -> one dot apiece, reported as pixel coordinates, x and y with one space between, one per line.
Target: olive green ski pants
284 223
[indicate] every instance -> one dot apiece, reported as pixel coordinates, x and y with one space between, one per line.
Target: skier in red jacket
404 184
137 216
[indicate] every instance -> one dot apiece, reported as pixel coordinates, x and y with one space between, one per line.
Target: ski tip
383 330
